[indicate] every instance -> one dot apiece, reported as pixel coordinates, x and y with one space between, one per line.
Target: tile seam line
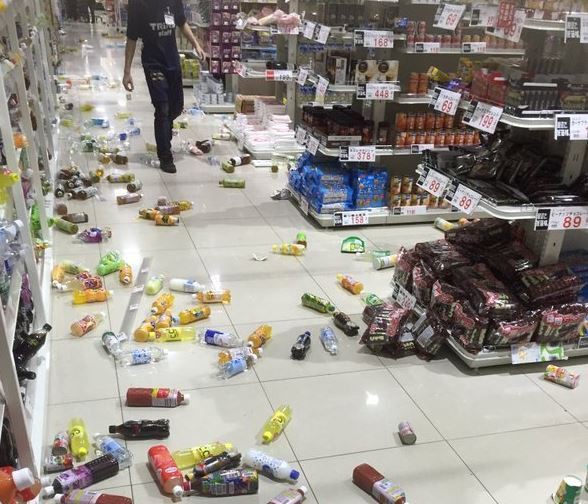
443 437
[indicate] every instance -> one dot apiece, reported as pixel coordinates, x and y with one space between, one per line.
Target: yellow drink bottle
57 275
294 249
78 438
194 314
350 284
141 334
214 296
91 296
125 275
186 459
260 336
165 320
162 303
276 423
173 334
183 204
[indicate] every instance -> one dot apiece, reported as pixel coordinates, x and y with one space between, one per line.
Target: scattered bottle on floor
224 483
329 340
58 463
162 303
166 220
26 348
135 186
276 424
121 178
65 226
343 322
72 268
76 218
371 299
301 239
107 445
244 159
385 262
220 338
270 466
60 443
301 346
184 205
185 285
375 484
220 462
91 296
13 481
561 376
90 497
194 314
260 336
214 296
289 249
94 235
79 440
165 320
87 324
290 496
213 161
245 352
233 368
112 342
138 356
126 199
317 303
110 263
154 285
148 213
125 275
169 477
348 283
188 458
82 476
227 167
141 334
407 435
156 397
170 209
228 183
142 429
171 334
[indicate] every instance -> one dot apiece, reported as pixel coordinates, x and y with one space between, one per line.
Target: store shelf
267 153
11 310
544 25
407 99
452 50
259 48
219 108
530 123
381 151
508 212
189 82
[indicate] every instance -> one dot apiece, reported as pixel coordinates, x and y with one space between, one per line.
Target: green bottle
232 183
371 299
317 303
228 167
65 226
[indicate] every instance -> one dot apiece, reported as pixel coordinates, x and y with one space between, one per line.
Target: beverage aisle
497 436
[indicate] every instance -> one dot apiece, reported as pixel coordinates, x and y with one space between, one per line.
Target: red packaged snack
549 285
560 324
386 325
422 283
504 333
469 326
441 256
482 232
407 260
444 298
430 334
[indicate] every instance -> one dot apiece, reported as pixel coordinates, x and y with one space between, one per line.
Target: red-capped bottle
375 484
169 477
156 397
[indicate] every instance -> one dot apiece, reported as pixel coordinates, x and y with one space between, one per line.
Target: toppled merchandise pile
481 287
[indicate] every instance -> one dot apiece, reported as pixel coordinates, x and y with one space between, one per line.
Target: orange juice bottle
91 296
165 320
142 332
125 275
350 284
260 336
214 296
194 314
162 303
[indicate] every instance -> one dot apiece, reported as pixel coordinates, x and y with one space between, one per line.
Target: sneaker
167 165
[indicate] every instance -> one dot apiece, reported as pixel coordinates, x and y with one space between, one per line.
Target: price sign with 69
447 101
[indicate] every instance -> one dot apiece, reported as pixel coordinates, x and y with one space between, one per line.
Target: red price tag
465 199
485 117
447 101
435 183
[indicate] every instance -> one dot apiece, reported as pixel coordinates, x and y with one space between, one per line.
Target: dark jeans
167 96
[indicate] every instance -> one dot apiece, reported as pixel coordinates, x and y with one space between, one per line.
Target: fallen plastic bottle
301 346
270 466
142 429
233 368
94 235
112 342
214 296
276 424
244 352
91 296
194 314
329 340
220 338
224 483
260 336
343 322
185 285
154 285
108 445
138 356
350 284
162 303
223 461
293 249
168 474
317 303
172 334
191 456
78 438
110 263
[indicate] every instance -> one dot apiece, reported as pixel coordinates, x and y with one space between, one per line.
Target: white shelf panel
219 108
544 25
530 123
452 50
267 153
407 99
11 311
380 152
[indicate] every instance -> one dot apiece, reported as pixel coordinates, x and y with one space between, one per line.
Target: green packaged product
110 263
352 245
65 226
317 303
232 183
228 167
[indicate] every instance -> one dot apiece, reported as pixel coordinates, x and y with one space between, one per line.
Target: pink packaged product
226 37
227 67
469 326
422 283
236 52
215 52
217 19
227 5
444 298
513 332
217 5
215 66
386 325
226 19
560 324
215 37
236 38
407 259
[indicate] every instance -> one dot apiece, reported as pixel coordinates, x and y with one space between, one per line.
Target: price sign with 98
465 199
447 101
435 183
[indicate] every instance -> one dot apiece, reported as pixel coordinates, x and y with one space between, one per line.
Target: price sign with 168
378 39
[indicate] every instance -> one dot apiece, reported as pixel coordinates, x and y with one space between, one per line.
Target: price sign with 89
435 183
568 218
465 199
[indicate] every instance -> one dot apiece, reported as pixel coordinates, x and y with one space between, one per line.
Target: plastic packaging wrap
549 285
444 298
561 324
422 283
506 260
407 259
482 232
513 332
386 325
430 334
469 326
441 256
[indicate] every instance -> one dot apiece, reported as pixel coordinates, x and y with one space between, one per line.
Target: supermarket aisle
500 436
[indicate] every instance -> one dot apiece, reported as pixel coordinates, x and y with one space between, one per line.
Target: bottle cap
48 491
23 478
82 452
57 498
178 491
303 490
267 436
186 399
112 429
294 474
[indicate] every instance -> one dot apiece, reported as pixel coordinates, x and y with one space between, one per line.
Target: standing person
154 22
92 7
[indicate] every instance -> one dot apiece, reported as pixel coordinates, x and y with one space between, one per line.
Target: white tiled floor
499 436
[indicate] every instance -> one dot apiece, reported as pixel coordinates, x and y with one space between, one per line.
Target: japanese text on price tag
374 38
427 47
312 144
358 154
322 86
403 297
302 76
356 218
512 31
484 15
279 75
473 47
465 199
434 183
484 116
447 101
448 16
551 219
323 34
309 28
376 91
571 126
576 27
301 135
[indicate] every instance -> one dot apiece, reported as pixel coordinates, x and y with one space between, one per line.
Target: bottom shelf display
481 291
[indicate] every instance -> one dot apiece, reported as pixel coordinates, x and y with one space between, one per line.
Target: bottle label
164 398
87 323
287 497
210 336
172 335
236 366
83 497
387 492
140 356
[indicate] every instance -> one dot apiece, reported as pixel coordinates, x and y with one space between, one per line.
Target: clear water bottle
106 444
138 356
329 340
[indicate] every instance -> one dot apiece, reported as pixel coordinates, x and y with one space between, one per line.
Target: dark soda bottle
343 322
29 345
142 429
216 463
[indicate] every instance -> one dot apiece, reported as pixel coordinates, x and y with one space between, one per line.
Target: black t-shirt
155 21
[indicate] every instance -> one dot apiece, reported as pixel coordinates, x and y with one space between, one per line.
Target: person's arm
187 32
129 55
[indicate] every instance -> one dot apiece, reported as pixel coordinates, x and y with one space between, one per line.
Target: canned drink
58 463
385 262
407 435
76 218
60 444
569 491
561 376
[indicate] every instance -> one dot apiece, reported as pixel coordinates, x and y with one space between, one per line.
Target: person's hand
200 54
128 82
